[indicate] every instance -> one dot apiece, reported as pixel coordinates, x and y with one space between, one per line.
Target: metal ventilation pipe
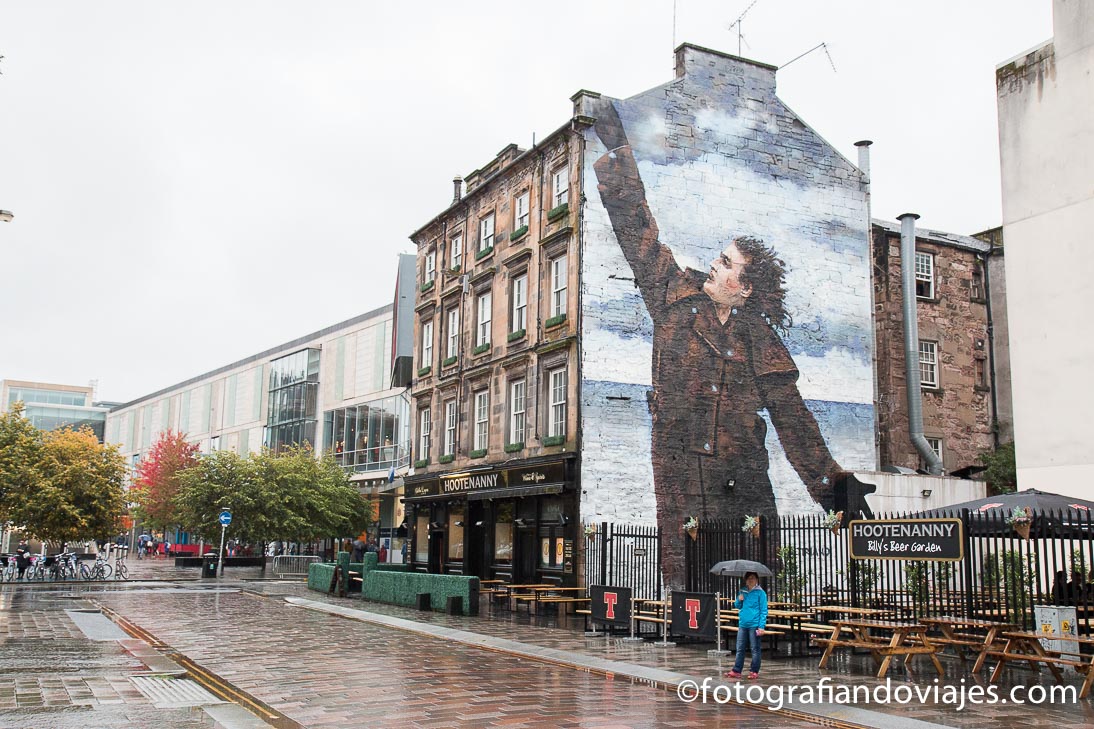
864 157
457 188
911 345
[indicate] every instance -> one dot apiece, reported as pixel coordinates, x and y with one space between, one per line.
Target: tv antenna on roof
737 22
819 45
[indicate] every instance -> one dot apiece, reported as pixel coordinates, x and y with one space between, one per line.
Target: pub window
556 424
423 434
455 532
421 538
426 360
503 533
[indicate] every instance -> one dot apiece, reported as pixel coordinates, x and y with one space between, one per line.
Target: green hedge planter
514 447
402 588
518 232
427 286
484 347
422 463
518 334
477 454
446 459
555 321
425 371
484 253
448 361
553 440
555 213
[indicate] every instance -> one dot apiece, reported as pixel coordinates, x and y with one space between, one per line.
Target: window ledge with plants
423 371
518 334
477 454
446 459
554 440
555 321
484 253
484 347
514 447
518 233
557 212
427 286
449 361
422 463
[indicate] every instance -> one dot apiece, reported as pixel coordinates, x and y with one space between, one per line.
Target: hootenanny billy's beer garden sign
488 480
940 540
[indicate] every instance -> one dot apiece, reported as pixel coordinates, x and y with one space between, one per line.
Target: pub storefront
515 524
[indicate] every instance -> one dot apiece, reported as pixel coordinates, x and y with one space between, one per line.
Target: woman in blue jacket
751 621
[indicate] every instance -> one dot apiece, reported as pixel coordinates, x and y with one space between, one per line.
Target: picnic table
524 593
848 610
907 639
949 626
558 596
1026 646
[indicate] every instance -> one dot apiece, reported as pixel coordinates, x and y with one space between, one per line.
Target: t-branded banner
693 613
611 605
911 539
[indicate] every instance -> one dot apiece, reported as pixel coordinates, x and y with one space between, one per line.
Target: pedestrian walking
751 621
167 547
358 550
22 557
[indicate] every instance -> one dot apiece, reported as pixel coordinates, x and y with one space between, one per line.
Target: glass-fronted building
52 407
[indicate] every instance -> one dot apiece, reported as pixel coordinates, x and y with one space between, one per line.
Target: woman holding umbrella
751 621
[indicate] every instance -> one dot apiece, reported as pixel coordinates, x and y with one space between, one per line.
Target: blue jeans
747 638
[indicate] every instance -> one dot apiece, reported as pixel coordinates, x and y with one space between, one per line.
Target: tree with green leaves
158 478
287 495
1001 473
79 491
20 461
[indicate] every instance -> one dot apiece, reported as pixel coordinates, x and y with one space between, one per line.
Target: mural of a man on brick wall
718 360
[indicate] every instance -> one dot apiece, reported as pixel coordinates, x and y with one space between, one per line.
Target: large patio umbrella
988 515
739 568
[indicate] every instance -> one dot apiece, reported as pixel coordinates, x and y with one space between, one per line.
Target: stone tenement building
662 310
960 330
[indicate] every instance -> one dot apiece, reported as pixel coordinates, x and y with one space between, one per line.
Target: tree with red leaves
156 482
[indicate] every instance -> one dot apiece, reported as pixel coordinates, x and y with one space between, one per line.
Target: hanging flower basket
752 525
691 526
834 520
1021 519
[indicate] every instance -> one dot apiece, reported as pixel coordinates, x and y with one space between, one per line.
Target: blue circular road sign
225 518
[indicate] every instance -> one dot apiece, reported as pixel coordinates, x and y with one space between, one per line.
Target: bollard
454 605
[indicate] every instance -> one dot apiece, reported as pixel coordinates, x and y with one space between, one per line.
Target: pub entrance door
436 552
474 548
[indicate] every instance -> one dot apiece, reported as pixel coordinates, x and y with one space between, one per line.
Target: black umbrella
1004 504
1068 515
739 568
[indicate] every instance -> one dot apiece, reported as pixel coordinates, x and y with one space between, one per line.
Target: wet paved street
319 661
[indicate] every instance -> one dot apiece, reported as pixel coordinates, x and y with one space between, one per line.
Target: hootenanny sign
912 539
610 605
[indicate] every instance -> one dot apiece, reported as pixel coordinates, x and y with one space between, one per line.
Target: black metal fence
624 556
1002 575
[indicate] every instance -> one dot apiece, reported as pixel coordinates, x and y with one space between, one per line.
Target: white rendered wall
1046 140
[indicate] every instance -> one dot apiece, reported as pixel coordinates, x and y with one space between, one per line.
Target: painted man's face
724 285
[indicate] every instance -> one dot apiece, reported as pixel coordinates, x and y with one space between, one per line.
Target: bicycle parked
121 572
100 571
11 570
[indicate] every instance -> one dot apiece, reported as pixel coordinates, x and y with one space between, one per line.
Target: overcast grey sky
195 182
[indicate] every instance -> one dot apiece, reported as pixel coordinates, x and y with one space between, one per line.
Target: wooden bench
1026 646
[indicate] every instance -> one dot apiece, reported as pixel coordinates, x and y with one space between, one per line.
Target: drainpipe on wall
864 165
983 259
911 345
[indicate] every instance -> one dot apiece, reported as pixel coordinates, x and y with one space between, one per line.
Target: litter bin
209 565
